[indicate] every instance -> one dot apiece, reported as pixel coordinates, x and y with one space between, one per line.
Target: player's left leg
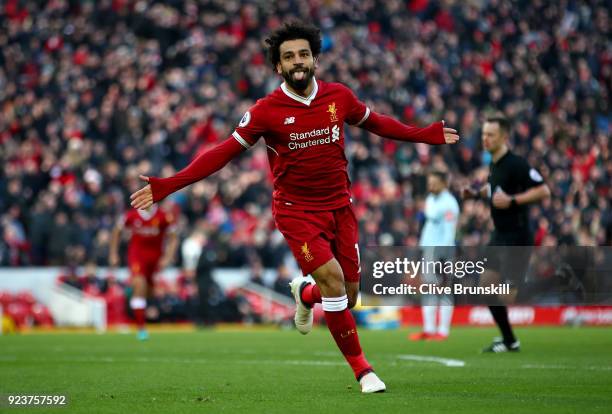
143 272
138 303
509 265
341 324
310 293
308 235
429 307
352 293
508 342
346 252
446 303
500 316
429 302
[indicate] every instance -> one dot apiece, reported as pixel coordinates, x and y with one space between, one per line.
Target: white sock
138 303
334 304
446 315
429 319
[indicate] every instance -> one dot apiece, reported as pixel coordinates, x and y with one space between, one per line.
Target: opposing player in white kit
437 239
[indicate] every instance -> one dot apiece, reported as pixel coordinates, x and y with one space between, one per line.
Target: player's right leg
429 303
493 276
138 302
446 307
307 234
303 309
429 307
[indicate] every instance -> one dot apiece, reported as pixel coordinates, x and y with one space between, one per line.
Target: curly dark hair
291 31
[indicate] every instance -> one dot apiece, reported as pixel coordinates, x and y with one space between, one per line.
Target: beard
299 84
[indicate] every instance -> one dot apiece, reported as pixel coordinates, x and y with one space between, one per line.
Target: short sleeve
171 226
123 221
530 177
450 210
252 126
357 111
451 213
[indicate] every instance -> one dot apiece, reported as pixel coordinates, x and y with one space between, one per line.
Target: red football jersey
305 140
148 229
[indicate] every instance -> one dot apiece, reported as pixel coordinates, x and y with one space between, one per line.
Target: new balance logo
290 120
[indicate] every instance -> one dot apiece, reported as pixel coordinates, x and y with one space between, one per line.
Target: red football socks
311 294
341 324
138 306
139 316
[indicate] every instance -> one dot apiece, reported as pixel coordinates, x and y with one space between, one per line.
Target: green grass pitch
559 370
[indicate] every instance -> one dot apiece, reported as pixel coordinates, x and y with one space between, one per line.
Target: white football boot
303 314
371 383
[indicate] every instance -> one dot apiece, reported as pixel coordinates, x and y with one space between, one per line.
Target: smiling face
297 64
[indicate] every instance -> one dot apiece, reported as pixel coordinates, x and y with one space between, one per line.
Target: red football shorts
143 266
316 237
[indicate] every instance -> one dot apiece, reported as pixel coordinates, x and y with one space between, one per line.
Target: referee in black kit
512 185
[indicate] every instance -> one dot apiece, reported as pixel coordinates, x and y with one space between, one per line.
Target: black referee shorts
509 253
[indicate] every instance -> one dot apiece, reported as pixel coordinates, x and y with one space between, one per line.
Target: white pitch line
540 366
444 361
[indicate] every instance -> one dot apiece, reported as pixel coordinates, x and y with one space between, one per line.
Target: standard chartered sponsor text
310 134
311 143
298 138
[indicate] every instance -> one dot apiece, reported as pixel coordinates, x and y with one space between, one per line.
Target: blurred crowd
93 93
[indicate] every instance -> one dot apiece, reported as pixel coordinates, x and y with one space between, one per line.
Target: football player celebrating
302 123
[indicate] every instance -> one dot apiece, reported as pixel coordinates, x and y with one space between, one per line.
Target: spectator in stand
90 282
88 91
71 278
257 273
281 284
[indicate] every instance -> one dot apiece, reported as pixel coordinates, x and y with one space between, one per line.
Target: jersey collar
305 101
147 214
502 157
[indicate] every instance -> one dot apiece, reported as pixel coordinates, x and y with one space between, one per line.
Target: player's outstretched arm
204 165
170 250
388 127
113 256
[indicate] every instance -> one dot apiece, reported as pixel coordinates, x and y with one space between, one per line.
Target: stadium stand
94 93
21 310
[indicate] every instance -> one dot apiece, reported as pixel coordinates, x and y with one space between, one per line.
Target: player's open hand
450 135
143 198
